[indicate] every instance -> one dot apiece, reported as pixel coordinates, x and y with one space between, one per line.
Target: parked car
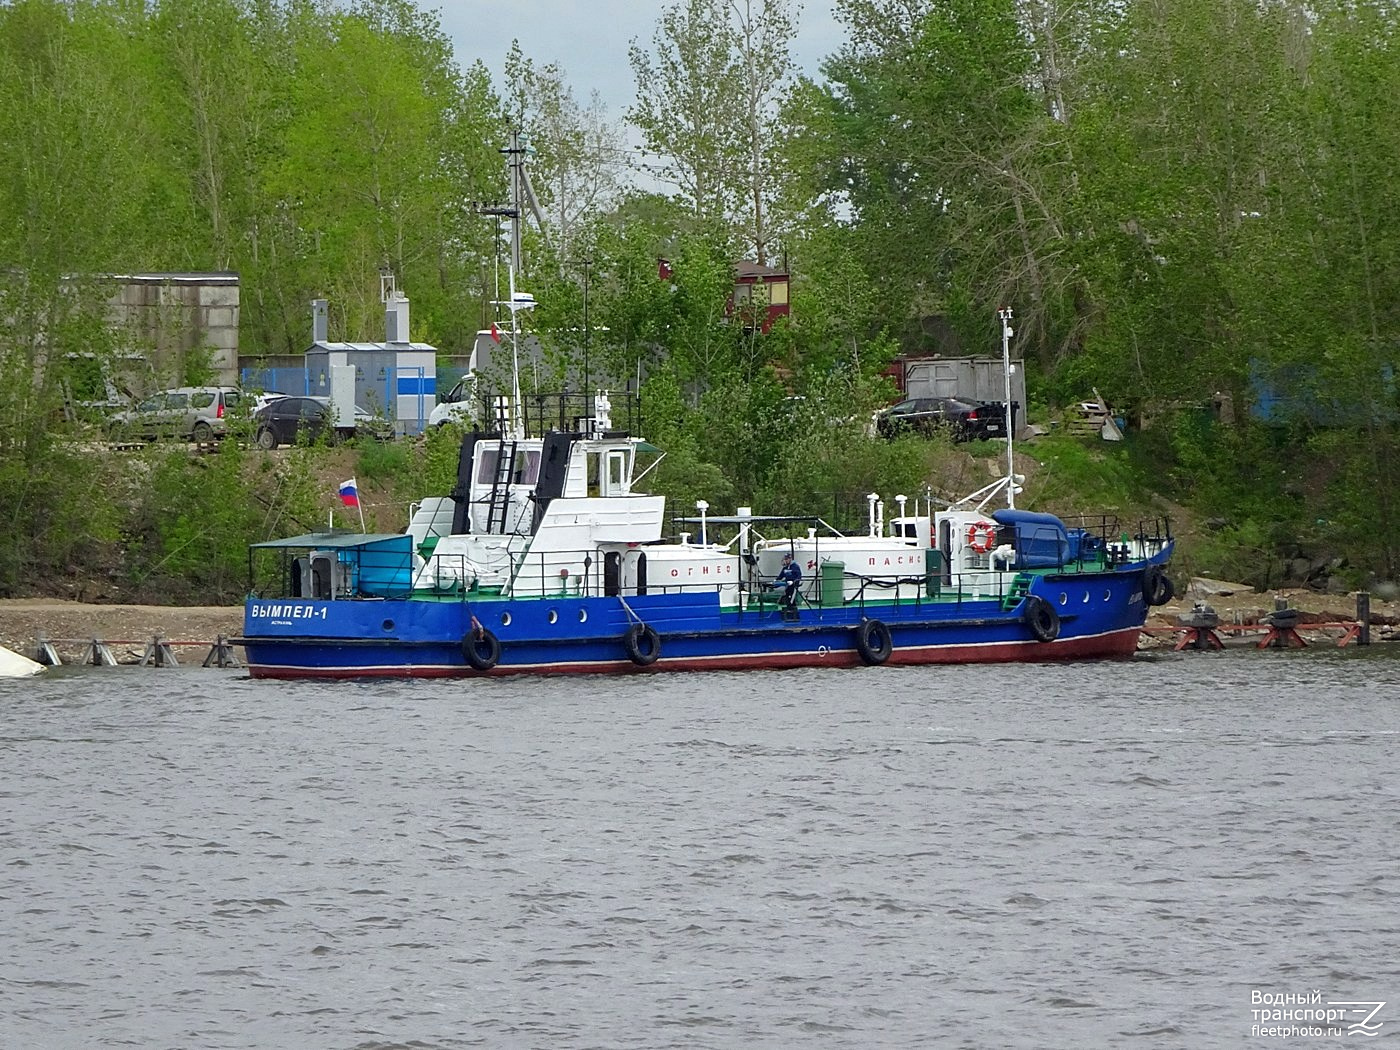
287 420
965 420
198 413
266 398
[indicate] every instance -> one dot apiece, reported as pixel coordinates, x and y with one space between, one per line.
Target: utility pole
587 375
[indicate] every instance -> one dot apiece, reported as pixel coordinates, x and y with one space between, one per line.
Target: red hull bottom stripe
1114 644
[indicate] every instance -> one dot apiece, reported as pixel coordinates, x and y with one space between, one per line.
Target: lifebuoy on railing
480 647
1042 619
873 642
643 644
1157 588
981 536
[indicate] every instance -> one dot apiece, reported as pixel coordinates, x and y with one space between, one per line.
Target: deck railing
351 572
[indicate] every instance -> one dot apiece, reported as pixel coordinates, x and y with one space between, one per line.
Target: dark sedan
964 420
288 420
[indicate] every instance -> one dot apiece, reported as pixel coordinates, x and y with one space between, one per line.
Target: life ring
481 648
1157 586
981 536
643 644
1042 619
873 642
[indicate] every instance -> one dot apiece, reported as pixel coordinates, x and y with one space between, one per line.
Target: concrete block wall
173 315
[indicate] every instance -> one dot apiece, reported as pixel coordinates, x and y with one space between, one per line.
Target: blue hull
1097 614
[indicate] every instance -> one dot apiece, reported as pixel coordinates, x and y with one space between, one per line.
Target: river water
1097 854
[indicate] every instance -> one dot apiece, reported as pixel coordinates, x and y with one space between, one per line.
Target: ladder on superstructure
498 503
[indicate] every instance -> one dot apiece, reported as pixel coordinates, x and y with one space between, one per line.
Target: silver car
192 413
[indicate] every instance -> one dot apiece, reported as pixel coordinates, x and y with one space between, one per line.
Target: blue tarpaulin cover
1042 541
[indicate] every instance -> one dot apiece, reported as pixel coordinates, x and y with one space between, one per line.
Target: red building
760 295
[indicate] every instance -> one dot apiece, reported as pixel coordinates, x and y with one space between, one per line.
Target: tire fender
643 644
1042 619
873 642
481 648
1157 588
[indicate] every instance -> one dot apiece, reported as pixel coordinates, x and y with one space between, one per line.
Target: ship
550 557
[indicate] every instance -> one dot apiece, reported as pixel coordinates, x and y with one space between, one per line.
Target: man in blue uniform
791 577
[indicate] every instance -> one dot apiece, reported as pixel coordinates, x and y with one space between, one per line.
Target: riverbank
71 626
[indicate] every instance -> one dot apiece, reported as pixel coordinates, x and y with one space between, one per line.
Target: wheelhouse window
525 468
617 471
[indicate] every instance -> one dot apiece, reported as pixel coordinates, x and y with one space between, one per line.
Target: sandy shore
71 626
126 629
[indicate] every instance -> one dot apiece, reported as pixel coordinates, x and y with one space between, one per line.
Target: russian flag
349 494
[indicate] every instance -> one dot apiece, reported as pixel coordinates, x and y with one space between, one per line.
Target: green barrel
833 583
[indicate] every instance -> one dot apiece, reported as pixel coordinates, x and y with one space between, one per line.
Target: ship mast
1011 482
1005 314
522 196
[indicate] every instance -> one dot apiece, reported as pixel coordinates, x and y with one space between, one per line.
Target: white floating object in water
12 665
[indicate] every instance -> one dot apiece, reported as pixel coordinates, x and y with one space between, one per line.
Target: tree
935 138
219 86
1183 137
575 152
76 175
708 94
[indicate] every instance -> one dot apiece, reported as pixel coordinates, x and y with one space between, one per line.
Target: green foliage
300 145
190 532
1253 487
1079 478
1353 508
55 531
52 525
685 479
708 88
189 517
836 486
197 367
380 460
434 468
1245 551
1174 198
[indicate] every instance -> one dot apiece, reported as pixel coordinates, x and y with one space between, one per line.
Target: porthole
505 619
1107 595
553 616
583 616
1086 597
1064 598
388 625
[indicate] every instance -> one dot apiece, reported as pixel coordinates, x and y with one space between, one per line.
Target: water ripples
1093 854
